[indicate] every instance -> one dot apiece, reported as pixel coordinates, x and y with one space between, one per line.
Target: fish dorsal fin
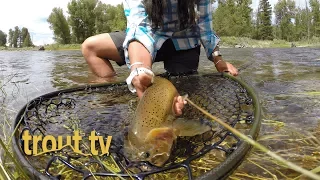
168 121
190 127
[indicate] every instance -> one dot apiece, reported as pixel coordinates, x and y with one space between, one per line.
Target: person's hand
141 83
223 66
178 105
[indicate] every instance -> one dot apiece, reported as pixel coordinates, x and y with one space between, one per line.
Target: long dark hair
186 12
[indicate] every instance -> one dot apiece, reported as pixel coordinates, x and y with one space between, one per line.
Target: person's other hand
178 105
143 81
223 66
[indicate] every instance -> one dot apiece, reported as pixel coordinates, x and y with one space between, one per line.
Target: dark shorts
175 62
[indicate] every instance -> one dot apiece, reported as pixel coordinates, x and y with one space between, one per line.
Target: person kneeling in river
171 31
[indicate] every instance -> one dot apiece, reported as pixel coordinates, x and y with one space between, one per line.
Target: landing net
108 108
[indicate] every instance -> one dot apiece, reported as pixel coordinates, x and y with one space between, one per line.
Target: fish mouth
160 159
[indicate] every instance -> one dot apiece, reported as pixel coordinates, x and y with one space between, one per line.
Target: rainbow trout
155 127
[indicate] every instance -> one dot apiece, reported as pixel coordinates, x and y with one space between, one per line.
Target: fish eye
146 154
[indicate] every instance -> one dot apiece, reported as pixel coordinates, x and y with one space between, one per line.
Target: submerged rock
41 48
239 46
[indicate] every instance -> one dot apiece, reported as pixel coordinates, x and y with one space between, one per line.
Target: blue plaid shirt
138 28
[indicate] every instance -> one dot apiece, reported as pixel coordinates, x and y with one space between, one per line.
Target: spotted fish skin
155 108
155 127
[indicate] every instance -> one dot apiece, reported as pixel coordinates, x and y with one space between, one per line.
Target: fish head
157 146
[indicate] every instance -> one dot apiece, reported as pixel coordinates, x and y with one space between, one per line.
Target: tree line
85 18
17 38
236 18
231 18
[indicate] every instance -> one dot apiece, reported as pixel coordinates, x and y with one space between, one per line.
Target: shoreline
225 42
222 47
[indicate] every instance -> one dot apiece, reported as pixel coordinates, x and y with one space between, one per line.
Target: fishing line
256 144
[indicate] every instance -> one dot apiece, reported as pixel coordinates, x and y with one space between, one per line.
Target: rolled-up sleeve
138 26
208 37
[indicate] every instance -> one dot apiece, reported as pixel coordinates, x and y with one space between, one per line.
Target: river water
287 81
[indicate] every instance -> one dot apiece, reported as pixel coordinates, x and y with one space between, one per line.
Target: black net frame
235 154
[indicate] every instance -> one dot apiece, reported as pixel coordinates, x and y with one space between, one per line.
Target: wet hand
141 83
223 66
178 105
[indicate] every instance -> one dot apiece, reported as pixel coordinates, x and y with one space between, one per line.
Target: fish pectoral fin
190 127
164 133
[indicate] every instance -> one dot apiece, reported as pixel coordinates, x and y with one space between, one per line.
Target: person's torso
183 39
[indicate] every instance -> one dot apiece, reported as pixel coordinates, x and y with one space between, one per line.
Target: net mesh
108 109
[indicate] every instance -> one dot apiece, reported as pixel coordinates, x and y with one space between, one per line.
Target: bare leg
97 51
138 53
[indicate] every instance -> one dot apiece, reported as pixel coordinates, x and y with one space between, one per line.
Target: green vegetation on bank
226 42
48 47
245 42
53 47
5 48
